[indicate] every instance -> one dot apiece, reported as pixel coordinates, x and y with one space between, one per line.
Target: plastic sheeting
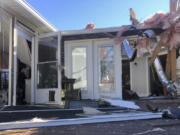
23 51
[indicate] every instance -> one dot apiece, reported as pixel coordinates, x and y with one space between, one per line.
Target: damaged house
39 64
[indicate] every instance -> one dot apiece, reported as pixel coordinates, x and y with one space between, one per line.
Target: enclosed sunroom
37 61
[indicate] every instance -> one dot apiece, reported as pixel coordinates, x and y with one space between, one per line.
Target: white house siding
139 72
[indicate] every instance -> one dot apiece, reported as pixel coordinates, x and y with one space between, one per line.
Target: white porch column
33 67
10 64
59 69
15 64
118 69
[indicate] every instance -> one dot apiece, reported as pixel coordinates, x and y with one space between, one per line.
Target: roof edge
27 6
90 31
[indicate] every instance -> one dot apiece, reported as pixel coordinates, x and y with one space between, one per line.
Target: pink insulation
170 22
155 20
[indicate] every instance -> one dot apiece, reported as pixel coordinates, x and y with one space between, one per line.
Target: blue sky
75 14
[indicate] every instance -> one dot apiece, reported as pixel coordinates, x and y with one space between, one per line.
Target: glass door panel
47 49
47 62
106 68
47 75
79 67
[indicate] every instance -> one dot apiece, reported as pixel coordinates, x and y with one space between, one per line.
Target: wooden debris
151 108
156 51
133 17
173 64
173 5
172 53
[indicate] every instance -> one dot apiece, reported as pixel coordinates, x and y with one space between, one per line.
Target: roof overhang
89 31
104 33
27 15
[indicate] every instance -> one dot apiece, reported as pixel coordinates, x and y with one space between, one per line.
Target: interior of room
23 88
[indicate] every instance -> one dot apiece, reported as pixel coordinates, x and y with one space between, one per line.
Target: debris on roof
133 17
90 26
169 22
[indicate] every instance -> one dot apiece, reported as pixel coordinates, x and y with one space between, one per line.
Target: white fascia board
35 13
89 31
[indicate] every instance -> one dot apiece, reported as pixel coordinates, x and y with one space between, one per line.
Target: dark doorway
127 93
126 74
23 89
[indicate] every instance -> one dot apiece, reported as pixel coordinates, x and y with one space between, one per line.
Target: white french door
92 64
78 65
107 69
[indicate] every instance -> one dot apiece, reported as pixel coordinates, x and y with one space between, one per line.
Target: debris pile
169 23
149 40
169 113
122 103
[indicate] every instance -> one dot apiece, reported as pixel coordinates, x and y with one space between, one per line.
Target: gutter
30 9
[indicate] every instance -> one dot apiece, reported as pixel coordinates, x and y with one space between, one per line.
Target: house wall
139 72
42 96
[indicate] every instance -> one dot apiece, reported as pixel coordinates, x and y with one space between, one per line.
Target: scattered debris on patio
171 113
92 111
150 131
130 95
36 120
89 111
102 103
122 103
82 103
165 123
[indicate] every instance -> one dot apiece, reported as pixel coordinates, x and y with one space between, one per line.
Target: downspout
172 87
